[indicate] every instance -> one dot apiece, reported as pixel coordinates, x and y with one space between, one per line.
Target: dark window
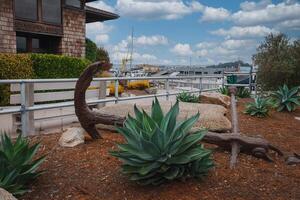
51 11
35 43
26 9
74 3
21 44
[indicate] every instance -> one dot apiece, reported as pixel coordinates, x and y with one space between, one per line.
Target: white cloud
226 51
157 9
101 5
204 45
182 49
102 39
270 14
251 5
244 32
99 32
215 14
151 40
293 24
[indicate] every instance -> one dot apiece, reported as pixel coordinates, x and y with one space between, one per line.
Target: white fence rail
38 94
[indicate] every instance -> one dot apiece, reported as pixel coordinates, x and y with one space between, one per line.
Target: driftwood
257 147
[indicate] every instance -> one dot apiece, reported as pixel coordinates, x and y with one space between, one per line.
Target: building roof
97 15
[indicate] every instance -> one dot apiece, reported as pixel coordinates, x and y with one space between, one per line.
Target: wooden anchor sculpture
233 142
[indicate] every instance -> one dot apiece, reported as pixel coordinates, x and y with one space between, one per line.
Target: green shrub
160 149
224 90
57 66
93 53
258 108
278 61
17 167
242 92
13 66
286 99
187 97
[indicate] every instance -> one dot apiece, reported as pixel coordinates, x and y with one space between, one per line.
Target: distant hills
229 65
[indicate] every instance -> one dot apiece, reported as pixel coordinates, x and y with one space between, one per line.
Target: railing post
116 91
200 85
223 79
167 89
102 93
27 100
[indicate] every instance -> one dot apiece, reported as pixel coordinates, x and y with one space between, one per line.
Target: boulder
215 98
213 117
72 137
4 195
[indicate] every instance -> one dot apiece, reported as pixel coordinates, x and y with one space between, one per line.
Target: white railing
30 97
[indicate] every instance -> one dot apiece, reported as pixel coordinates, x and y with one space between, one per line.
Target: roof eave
97 15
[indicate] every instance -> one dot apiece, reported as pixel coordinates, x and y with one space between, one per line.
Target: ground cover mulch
88 172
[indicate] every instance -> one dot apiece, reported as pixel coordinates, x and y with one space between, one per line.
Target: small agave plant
17 167
160 149
286 99
258 108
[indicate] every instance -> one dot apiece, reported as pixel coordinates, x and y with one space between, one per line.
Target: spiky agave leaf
17 167
158 149
258 108
286 99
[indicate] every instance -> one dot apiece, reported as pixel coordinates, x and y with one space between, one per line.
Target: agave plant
224 90
258 108
159 148
243 92
187 97
17 167
286 99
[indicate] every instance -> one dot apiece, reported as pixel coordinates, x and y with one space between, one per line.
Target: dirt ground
88 172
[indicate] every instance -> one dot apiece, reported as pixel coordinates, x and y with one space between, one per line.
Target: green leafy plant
286 99
258 108
188 97
159 149
243 92
17 167
224 90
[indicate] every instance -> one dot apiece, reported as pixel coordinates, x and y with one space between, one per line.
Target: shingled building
47 26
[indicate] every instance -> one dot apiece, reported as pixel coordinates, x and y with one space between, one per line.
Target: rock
4 195
151 90
213 117
72 137
215 98
124 94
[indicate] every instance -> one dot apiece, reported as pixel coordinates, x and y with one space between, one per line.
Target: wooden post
27 117
102 93
235 149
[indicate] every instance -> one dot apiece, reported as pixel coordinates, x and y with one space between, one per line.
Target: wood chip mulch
88 172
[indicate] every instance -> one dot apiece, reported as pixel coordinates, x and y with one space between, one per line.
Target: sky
197 32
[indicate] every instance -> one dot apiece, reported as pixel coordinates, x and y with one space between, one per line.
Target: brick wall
73 41
7 33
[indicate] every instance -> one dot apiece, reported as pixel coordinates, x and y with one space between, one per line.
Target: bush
93 53
286 99
187 97
242 92
259 108
278 62
140 84
57 66
17 167
13 66
159 149
112 89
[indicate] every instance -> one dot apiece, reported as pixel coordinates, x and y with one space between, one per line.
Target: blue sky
203 31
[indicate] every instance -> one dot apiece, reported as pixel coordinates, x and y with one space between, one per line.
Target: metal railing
25 108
